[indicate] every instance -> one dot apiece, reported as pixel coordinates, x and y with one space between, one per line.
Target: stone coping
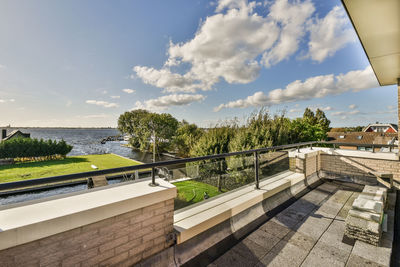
195 220
25 223
304 152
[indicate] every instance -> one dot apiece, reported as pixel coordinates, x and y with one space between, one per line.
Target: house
363 140
13 134
381 128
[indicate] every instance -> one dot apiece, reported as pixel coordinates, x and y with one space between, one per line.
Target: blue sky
82 63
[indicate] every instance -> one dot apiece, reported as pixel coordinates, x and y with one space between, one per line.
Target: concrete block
374 190
364 225
378 197
370 216
368 205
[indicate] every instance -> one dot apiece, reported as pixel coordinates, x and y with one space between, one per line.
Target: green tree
309 116
186 137
214 141
147 128
322 120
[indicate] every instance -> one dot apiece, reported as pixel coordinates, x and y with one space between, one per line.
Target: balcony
264 202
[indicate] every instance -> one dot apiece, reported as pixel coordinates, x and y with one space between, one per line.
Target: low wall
348 165
116 225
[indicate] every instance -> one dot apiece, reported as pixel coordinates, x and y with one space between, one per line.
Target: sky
83 63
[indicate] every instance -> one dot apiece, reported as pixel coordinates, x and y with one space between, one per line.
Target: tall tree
148 129
322 120
186 137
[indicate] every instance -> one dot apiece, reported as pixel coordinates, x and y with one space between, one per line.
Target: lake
87 141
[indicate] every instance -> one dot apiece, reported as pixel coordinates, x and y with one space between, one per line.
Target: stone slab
368 205
370 216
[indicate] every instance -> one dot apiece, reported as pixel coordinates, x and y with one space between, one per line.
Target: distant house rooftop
360 138
13 134
381 127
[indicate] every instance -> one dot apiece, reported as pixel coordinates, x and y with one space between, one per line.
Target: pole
256 168
154 146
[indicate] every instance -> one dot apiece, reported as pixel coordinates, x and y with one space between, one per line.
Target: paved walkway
307 233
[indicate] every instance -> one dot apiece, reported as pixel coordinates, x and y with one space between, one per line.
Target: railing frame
154 165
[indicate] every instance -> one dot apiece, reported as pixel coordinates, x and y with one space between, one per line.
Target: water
86 141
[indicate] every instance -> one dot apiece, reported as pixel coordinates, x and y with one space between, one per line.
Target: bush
31 148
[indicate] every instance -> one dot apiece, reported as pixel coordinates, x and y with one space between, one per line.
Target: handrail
61 178
152 166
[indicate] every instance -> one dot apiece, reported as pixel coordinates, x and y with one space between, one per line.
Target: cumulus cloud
2 67
7 100
292 17
341 113
115 96
164 102
330 34
313 87
352 106
128 91
234 43
102 103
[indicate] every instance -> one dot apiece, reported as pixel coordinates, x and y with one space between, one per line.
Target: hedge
29 148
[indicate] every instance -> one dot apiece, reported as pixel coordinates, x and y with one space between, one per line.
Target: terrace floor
308 233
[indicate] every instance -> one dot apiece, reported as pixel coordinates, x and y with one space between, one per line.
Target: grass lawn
69 165
190 192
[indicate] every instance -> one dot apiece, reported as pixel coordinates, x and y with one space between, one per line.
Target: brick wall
359 166
310 164
122 240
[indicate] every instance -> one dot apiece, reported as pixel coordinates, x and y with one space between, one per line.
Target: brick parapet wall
346 165
309 164
122 240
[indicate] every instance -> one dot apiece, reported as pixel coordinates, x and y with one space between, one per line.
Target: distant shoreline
27 127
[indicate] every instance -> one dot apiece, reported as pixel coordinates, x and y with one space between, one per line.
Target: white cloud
330 34
234 43
11 100
104 92
128 91
228 46
2 67
115 96
294 110
164 102
352 106
102 103
164 78
313 87
95 116
346 113
292 17
68 104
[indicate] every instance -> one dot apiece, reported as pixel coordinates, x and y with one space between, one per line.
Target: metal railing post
311 147
334 146
256 169
153 177
373 149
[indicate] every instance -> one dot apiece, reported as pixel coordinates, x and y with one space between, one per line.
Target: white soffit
377 23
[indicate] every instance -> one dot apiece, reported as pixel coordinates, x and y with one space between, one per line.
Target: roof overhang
377 23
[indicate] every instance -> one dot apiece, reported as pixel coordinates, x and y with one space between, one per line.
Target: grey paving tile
300 240
284 254
274 228
325 255
347 206
334 236
379 255
263 239
250 250
356 261
314 226
232 259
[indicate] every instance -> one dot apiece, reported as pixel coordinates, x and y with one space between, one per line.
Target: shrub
31 148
